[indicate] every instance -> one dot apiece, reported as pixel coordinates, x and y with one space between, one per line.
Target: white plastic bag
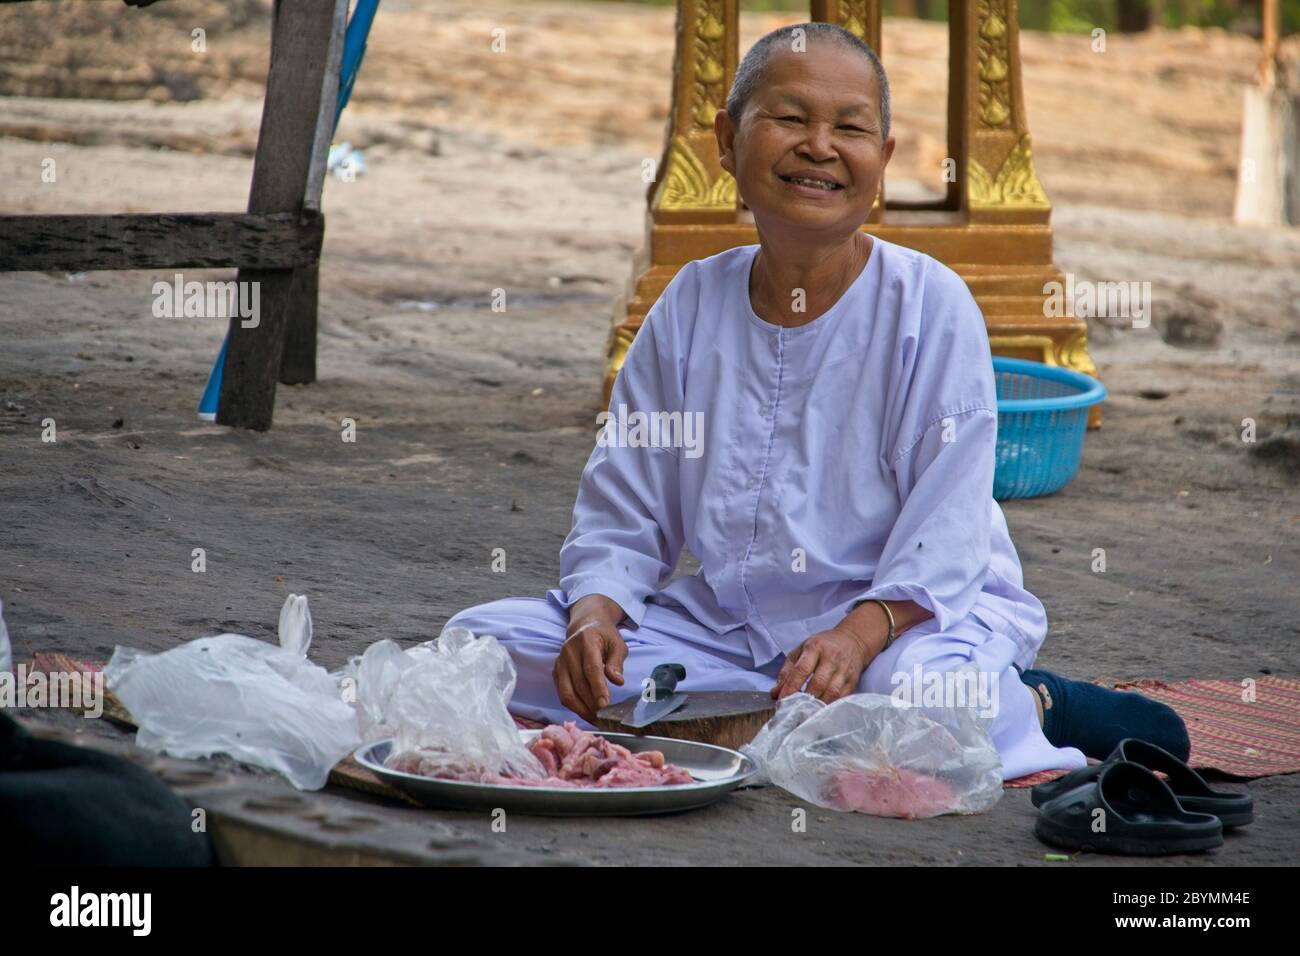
444 702
874 754
264 705
791 712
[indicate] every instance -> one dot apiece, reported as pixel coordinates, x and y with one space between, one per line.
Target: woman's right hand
593 651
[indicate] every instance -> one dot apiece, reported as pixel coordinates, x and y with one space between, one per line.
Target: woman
839 495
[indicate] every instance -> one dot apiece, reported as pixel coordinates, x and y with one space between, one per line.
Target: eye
854 129
790 119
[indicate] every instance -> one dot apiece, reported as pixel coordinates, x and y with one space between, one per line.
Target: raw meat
888 792
570 758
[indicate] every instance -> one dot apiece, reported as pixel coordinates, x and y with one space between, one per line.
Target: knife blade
659 696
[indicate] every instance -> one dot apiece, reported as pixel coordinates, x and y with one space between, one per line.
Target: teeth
816 183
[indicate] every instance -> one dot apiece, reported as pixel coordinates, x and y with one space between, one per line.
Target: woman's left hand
832 662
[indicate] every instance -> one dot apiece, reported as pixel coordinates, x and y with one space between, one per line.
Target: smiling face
816 116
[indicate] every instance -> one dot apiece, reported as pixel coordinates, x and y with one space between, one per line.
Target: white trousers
533 629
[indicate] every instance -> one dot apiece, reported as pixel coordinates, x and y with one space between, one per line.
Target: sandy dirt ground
522 172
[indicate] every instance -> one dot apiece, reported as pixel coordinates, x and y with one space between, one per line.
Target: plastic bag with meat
444 703
872 754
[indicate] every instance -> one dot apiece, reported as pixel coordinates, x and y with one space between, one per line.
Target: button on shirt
846 458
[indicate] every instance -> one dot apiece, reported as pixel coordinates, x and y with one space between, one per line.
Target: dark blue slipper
1193 793
1129 810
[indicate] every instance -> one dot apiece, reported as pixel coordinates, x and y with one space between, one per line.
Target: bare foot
1038 703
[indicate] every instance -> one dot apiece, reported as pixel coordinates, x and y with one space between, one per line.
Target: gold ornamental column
862 19
1000 183
997 183
859 17
693 187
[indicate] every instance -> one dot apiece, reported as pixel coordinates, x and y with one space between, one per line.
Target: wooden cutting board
728 718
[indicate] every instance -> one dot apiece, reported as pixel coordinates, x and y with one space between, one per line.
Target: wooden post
1266 71
1268 177
298 363
301 87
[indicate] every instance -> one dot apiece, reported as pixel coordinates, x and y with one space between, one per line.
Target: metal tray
716 770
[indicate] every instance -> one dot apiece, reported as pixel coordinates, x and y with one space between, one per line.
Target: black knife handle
665 678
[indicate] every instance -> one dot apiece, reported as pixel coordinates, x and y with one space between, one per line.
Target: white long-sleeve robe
847 458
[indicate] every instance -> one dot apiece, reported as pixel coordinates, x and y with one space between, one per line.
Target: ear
887 152
725 131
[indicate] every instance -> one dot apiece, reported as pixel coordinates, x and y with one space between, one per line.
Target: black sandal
1139 813
1193 793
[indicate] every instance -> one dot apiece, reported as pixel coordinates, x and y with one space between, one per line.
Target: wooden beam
301 36
84 243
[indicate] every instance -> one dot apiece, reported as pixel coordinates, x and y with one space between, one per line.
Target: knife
659 696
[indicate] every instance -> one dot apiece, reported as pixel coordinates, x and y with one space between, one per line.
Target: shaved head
749 76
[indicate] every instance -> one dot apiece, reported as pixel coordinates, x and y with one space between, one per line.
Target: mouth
813 182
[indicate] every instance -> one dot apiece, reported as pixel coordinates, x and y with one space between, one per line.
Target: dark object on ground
62 805
1282 451
1127 810
1193 793
1187 319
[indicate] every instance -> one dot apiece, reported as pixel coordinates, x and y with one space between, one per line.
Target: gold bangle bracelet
889 616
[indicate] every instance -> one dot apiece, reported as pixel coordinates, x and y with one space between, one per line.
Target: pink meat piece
573 764
544 751
889 793
652 757
570 758
594 761
560 737
404 763
643 775
596 767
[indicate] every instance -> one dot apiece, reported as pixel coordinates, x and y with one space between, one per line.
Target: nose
817 142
